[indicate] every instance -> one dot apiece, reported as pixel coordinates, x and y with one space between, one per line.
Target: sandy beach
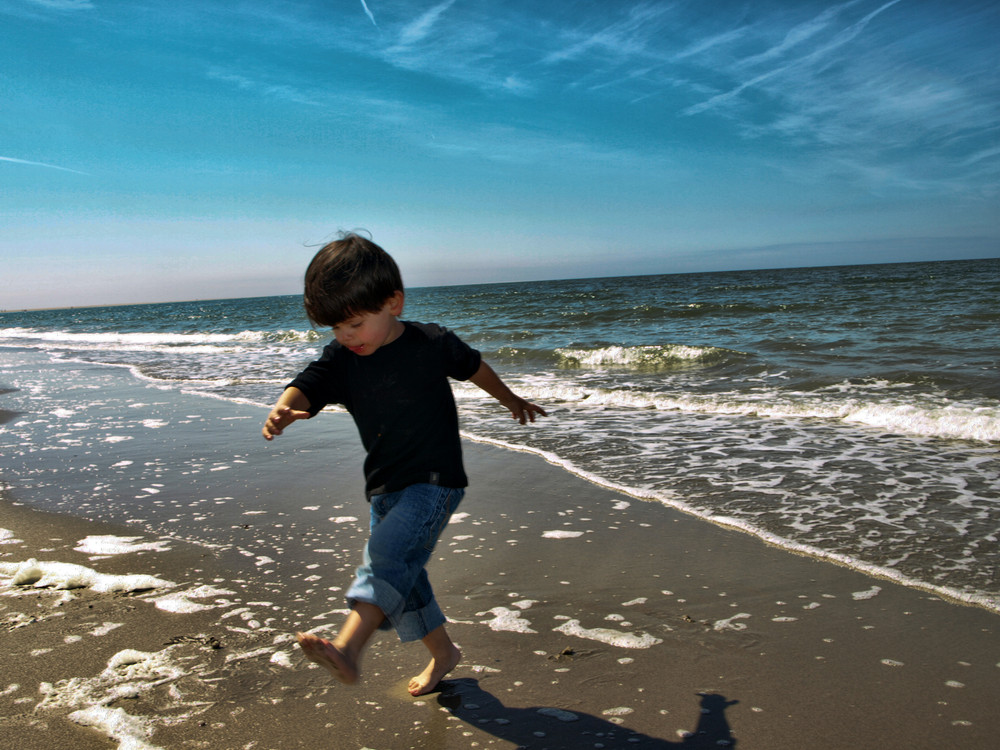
587 618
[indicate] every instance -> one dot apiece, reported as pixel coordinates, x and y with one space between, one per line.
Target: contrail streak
39 164
369 13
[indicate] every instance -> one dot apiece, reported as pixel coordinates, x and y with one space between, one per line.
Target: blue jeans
405 526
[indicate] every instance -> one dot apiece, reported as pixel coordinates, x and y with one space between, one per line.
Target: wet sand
587 619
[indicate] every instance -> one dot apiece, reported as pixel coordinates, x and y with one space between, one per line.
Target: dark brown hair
347 277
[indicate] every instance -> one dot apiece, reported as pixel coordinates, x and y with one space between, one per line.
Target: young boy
392 376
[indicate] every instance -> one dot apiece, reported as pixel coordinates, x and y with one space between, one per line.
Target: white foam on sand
106 628
560 534
7 537
129 731
506 619
618 711
870 593
118 545
128 674
610 637
730 623
181 601
62 576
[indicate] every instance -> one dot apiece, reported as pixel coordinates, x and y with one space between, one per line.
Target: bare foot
426 681
328 656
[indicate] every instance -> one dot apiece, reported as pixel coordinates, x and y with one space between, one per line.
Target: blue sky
179 149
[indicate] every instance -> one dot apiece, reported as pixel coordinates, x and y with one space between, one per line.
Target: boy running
392 376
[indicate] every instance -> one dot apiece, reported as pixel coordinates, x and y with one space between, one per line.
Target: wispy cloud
879 87
798 35
624 37
508 144
880 93
700 46
64 4
466 45
988 154
283 91
418 29
12 160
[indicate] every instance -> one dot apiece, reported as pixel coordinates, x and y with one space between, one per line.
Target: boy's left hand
524 411
521 410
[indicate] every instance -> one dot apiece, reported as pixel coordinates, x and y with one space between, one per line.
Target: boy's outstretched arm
292 405
490 382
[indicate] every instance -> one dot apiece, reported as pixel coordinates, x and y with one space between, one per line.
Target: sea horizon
508 281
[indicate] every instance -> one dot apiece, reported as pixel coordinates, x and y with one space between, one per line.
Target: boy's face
365 332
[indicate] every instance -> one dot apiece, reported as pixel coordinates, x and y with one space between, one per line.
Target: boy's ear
395 302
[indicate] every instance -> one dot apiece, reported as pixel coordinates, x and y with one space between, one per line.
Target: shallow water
849 412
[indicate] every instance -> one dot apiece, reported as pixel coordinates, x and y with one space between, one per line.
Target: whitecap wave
124 341
918 416
653 357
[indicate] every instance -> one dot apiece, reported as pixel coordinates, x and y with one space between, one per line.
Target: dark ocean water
846 412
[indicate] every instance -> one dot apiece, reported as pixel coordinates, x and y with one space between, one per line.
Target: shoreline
990 603
987 601
585 616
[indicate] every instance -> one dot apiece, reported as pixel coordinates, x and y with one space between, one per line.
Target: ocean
850 413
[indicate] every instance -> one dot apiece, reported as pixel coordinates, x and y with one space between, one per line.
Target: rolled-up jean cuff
409 626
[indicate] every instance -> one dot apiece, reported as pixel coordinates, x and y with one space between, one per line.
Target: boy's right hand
279 418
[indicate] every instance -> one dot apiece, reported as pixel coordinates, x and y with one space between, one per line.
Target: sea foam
610 637
118 545
60 576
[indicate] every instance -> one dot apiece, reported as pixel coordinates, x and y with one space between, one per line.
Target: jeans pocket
447 502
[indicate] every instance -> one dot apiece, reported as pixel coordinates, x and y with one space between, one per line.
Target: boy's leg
444 658
401 542
342 656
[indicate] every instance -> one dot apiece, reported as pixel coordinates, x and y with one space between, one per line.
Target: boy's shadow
555 728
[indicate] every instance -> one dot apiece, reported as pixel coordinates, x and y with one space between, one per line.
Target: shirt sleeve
461 360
